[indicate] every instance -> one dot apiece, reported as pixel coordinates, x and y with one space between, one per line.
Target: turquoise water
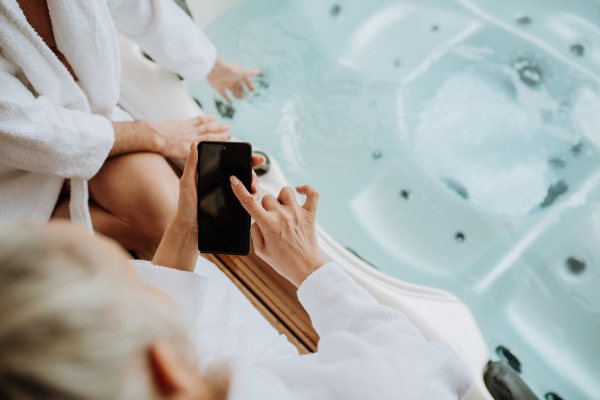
454 145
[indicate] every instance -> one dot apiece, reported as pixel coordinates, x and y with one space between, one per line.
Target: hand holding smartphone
223 223
211 215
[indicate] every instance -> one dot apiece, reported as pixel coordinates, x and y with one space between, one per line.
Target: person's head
77 323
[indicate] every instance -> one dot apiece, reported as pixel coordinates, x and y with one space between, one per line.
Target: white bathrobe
52 127
366 351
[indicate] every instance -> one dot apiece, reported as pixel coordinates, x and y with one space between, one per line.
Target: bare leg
133 199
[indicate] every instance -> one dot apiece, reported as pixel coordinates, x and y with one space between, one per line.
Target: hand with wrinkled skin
284 234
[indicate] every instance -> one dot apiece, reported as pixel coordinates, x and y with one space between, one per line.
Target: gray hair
68 328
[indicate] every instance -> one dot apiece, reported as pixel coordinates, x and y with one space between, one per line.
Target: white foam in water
474 131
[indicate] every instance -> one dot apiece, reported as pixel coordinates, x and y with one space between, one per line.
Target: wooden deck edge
278 295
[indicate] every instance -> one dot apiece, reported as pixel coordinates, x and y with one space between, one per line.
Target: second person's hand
227 75
169 138
173 138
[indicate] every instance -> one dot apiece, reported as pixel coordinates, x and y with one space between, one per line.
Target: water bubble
376 154
397 62
459 237
578 49
576 149
435 28
405 194
552 396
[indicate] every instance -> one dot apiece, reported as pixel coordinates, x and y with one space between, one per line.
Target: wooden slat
276 292
265 312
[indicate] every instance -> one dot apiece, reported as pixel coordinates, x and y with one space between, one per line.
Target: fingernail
192 145
234 181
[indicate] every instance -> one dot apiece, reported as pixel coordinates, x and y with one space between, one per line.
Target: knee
151 225
152 219
141 192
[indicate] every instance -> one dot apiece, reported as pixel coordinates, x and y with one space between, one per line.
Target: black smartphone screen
223 224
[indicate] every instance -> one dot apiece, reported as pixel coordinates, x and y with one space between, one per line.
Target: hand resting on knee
171 139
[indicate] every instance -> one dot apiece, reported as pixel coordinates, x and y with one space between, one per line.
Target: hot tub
456 149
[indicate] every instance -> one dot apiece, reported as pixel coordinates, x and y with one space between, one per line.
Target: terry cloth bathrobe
366 350
52 127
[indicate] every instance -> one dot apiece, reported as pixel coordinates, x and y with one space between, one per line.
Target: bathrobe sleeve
167 34
187 289
366 351
38 136
224 323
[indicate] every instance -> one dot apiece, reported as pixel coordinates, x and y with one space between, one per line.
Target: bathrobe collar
76 25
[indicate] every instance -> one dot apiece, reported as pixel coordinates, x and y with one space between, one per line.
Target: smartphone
223 224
